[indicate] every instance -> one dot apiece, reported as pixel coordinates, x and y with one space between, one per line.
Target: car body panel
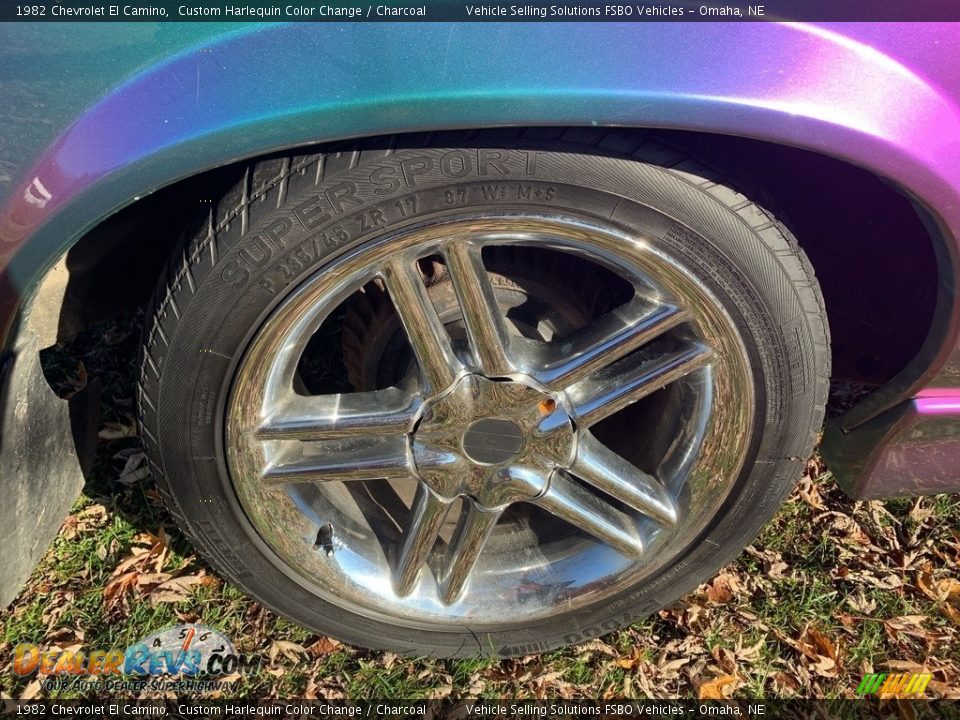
104 114
910 449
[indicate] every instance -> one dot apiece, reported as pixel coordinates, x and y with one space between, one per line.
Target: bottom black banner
484 709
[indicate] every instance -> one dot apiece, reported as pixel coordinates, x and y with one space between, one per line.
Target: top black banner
480 11
505 709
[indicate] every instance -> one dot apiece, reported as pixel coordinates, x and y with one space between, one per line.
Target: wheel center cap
495 441
492 441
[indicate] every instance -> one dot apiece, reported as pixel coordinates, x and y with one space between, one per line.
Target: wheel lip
495 234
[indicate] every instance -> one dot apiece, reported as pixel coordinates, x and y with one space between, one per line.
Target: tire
290 219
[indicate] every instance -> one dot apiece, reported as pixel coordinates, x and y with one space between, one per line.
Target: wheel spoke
349 415
426 519
615 387
607 471
580 507
481 314
333 461
605 341
430 341
472 533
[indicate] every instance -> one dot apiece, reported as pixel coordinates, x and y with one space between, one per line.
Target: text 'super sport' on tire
481 397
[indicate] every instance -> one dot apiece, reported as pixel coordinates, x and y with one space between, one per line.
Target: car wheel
487 399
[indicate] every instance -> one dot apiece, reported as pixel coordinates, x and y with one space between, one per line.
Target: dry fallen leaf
911 625
324 646
148 581
823 644
175 589
142 561
635 659
749 654
919 512
670 670
904 666
943 690
946 592
722 588
809 493
118 586
90 518
819 652
786 682
588 648
717 689
116 431
847 620
725 659
289 650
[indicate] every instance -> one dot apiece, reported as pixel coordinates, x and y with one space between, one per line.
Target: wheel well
871 252
873 255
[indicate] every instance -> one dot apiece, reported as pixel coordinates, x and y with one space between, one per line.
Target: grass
830 590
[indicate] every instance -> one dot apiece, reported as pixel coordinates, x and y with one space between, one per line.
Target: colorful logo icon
897 684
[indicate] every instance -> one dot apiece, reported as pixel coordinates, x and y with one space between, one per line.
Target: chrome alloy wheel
406 503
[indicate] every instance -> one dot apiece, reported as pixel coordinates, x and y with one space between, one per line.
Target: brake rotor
544 294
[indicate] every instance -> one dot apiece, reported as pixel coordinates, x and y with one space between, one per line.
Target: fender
873 95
